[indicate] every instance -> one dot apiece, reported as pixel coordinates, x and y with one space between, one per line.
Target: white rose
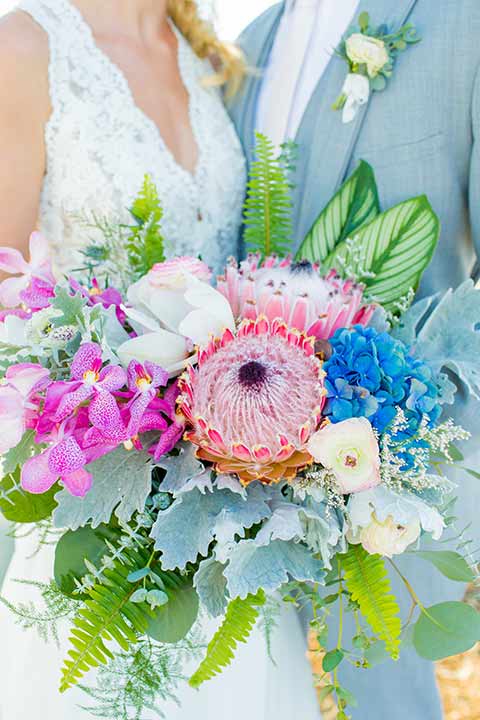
369 51
387 538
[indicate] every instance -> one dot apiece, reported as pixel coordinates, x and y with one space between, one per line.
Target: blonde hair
228 60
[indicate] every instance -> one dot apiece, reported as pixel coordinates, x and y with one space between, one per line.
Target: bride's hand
24 110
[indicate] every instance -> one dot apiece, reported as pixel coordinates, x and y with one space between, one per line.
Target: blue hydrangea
371 375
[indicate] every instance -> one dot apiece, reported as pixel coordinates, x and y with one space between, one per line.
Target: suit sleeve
474 192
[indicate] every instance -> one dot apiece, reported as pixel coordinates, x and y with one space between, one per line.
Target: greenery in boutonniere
370 53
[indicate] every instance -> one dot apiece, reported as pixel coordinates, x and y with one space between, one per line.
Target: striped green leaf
391 253
354 205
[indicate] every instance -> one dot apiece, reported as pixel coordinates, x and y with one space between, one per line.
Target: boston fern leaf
145 246
268 207
239 621
107 614
368 584
354 205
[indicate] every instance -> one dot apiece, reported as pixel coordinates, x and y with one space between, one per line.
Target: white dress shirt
308 34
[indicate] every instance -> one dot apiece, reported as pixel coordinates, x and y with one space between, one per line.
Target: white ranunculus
172 310
369 51
390 521
356 90
349 449
387 538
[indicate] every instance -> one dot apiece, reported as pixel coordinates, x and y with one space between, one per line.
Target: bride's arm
24 110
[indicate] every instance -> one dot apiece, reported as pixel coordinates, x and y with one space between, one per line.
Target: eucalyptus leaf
354 205
19 506
332 659
171 622
446 629
73 549
449 563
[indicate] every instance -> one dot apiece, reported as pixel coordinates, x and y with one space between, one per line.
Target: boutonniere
370 54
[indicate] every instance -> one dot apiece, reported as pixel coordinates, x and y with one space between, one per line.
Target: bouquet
279 438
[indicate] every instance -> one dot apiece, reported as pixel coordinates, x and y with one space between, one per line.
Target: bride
94 95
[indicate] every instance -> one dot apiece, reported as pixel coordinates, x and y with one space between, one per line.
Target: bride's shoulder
24 57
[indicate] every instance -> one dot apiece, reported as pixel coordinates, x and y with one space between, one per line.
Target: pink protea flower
92 382
19 401
35 282
296 293
254 401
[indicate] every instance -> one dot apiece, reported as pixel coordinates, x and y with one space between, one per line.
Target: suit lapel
325 144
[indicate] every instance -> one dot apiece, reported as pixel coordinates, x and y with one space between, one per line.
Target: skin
137 37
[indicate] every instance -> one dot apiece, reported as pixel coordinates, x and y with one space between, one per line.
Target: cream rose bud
349 449
386 538
369 51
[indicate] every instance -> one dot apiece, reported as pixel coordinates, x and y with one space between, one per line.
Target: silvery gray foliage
121 483
217 514
445 333
269 566
184 472
211 586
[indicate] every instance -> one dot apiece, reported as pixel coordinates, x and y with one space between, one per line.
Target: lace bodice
100 145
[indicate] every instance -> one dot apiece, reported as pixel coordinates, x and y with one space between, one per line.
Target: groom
421 135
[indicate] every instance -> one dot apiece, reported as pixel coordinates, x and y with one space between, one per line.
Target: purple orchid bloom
167 405
64 460
143 382
95 295
89 382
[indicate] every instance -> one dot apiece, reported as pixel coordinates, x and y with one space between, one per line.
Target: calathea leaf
391 253
354 205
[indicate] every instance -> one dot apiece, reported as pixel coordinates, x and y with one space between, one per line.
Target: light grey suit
421 135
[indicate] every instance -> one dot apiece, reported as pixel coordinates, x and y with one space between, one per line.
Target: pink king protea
254 401
296 293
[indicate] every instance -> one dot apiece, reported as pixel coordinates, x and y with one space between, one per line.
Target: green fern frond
367 581
239 621
268 207
145 245
108 614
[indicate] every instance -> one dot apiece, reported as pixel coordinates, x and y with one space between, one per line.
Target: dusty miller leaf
121 482
211 586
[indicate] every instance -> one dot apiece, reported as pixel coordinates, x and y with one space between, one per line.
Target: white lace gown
99 147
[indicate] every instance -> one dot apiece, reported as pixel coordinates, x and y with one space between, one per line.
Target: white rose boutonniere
370 54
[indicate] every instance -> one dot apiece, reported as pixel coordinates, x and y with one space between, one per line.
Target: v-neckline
144 118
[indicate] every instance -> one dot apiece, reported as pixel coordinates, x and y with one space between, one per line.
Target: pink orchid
33 282
89 382
174 433
143 382
95 295
19 401
64 460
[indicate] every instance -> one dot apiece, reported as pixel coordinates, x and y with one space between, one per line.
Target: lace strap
53 24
